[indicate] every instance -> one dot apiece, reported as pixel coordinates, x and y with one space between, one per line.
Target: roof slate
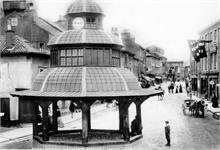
21 47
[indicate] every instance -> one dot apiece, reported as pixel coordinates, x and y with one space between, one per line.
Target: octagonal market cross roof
85 82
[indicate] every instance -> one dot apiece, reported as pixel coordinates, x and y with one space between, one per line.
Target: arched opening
102 114
132 113
70 115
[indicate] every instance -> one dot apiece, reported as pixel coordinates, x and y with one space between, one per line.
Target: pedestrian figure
181 89
167 132
172 87
135 129
59 120
160 97
177 89
72 108
214 100
201 107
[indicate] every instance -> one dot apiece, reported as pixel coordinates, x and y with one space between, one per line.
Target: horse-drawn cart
195 107
186 105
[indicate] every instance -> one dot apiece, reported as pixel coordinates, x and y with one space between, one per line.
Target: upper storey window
67 57
116 58
90 19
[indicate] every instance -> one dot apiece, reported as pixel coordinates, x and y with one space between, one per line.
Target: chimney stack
10 39
115 31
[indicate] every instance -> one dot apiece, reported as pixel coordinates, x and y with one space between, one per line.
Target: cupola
85 14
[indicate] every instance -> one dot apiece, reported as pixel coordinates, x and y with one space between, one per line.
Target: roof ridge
54 24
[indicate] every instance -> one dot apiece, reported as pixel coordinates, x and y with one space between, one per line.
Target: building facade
175 70
205 73
155 60
23 39
133 54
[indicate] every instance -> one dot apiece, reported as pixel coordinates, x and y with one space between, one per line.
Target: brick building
205 73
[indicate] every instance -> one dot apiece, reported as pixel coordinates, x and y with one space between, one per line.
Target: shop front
204 85
194 83
212 85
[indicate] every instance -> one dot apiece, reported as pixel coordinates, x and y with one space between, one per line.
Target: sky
165 23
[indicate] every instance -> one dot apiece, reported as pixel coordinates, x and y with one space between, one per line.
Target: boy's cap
166 121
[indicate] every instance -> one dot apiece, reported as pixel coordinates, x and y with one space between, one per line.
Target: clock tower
84 14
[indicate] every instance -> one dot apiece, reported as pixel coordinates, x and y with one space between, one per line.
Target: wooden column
120 108
34 119
89 118
138 111
85 122
45 122
55 109
126 122
124 119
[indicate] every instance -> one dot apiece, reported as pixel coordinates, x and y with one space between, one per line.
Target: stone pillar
34 119
85 122
55 109
45 122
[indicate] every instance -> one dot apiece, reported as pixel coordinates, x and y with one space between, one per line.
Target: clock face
78 23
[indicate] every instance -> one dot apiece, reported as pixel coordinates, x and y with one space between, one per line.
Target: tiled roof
50 27
84 6
21 46
78 82
85 36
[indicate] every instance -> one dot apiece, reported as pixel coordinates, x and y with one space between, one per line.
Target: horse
193 108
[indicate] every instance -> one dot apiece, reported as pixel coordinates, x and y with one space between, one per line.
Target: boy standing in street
167 133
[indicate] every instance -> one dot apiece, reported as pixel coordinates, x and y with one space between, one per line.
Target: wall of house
19 72
15 73
209 67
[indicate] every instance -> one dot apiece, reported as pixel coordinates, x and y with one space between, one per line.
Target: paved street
186 132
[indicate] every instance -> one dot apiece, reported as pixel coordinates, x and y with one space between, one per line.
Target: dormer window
42 45
90 20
